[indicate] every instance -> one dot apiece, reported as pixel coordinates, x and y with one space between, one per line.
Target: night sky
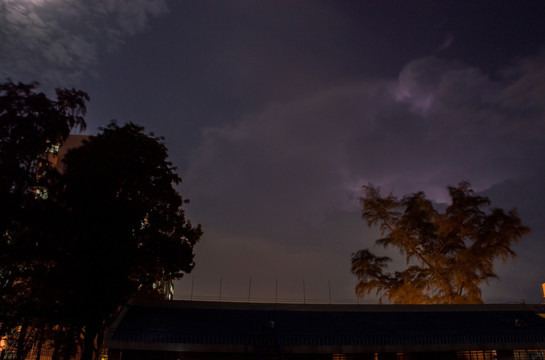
277 112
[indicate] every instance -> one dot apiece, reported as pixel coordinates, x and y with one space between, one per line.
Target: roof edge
540 308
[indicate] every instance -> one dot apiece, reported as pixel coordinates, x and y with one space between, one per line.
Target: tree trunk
21 342
89 342
100 340
68 344
57 344
40 343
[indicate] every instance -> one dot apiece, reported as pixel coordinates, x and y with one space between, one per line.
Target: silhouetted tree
32 126
449 254
74 246
128 231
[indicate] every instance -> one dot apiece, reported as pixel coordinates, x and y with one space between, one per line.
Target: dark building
218 330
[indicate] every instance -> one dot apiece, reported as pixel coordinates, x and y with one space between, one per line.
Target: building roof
239 327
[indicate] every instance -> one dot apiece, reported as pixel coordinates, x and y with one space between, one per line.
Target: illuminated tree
449 254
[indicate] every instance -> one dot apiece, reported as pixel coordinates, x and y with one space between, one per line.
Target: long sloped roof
239 327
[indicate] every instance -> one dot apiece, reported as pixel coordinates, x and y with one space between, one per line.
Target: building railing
325 340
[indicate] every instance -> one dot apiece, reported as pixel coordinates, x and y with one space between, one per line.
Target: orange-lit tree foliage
449 254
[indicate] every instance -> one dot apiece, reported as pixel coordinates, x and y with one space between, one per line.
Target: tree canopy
128 231
31 128
449 254
77 244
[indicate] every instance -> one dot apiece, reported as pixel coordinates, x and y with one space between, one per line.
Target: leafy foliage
76 245
31 126
127 227
448 255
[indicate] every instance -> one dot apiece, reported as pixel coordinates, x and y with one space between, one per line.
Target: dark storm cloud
438 122
59 42
270 183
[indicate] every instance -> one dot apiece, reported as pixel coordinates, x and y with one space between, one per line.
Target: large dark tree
128 231
32 126
449 254
76 245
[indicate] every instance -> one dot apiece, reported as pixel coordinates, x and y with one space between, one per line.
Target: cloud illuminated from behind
59 41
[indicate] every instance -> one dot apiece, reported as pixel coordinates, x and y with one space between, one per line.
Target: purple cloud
277 177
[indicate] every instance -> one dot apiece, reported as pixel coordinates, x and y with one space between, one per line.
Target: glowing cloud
59 41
